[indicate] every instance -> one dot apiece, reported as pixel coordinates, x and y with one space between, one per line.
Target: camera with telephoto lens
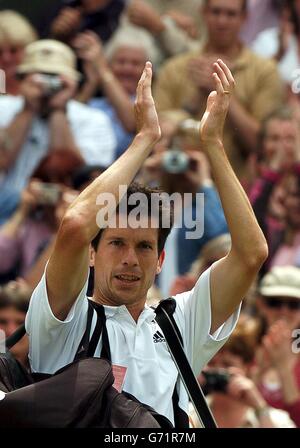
51 84
216 380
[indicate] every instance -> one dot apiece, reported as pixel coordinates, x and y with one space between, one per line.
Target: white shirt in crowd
151 374
267 45
91 129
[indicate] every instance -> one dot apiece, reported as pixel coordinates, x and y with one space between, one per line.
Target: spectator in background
45 118
278 364
177 26
116 71
184 82
283 42
274 194
233 396
72 17
260 16
14 302
15 33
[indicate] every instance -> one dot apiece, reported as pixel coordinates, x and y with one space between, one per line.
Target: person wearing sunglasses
278 357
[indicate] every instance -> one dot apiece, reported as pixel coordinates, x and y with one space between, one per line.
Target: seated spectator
177 26
15 34
72 17
116 72
45 118
278 363
233 396
279 148
282 42
277 207
14 302
184 82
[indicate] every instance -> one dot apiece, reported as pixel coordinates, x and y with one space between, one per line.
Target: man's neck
134 310
231 52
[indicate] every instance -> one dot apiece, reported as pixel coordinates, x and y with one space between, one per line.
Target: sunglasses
292 304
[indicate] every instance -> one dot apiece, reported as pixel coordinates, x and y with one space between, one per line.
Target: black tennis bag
80 395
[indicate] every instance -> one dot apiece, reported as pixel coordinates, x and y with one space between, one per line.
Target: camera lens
175 161
215 381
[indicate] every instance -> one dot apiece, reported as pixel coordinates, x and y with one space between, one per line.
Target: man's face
11 319
282 311
126 263
292 203
127 65
281 136
224 19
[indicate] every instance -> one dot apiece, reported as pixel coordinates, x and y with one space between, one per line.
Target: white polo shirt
151 374
91 129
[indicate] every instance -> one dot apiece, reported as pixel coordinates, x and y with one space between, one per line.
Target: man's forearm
246 126
122 172
13 137
246 235
61 136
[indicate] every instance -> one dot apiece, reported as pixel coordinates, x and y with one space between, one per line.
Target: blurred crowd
68 114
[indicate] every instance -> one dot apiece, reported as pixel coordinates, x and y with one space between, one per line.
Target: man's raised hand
212 123
145 112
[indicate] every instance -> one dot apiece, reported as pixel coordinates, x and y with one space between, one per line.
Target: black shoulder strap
84 343
100 329
174 341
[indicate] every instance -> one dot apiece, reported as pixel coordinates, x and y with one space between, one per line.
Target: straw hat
49 56
281 281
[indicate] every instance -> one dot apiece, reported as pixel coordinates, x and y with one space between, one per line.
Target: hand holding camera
46 194
233 383
33 93
43 92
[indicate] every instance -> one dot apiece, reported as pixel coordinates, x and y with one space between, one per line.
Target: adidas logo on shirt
158 337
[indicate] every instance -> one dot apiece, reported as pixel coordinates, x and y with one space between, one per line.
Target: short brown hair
165 209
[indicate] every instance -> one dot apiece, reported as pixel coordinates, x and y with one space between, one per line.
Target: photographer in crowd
233 396
46 118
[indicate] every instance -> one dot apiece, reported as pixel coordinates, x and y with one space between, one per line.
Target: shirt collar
148 314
